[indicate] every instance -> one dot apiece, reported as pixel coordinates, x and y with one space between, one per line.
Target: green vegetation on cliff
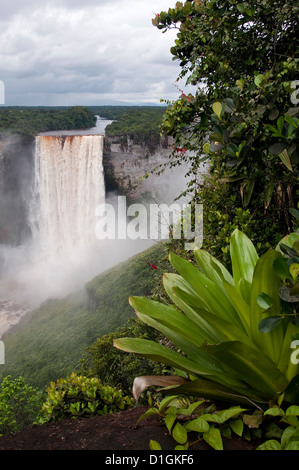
31 121
140 121
52 342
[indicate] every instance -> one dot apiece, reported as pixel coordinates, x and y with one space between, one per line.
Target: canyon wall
128 159
16 173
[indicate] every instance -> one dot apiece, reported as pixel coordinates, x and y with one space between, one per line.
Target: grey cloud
96 48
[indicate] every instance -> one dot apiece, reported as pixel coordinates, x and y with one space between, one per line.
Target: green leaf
214 439
215 300
217 108
272 444
220 417
169 420
252 366
284 157
268 324
197 425
266 281
281 269
274 411
292 390
179 433
264 301
237 426
294 270
150 412
244 257
166 402
240 84
248 192
292 411
154 445
280 124
159 353
258 79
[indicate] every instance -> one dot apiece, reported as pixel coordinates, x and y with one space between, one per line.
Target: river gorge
50 186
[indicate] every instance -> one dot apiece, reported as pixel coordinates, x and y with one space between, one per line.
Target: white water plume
69 184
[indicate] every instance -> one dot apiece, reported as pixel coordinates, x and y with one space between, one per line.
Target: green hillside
51 343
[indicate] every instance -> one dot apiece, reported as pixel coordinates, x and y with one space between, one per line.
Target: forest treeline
32 120
137 120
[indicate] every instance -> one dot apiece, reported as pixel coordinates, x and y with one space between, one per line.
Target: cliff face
16 172
127 159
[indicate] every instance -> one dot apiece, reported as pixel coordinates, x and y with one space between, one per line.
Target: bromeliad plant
223 346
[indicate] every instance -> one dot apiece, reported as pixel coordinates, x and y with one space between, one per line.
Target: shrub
235 330
77 396
111 366
20 404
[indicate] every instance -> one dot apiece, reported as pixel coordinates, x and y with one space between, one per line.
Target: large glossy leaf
240 305
203 387
253 367
186 302
170 317
243 256
225 330
159 353
292 391
215 300
212 268
182 333
267 282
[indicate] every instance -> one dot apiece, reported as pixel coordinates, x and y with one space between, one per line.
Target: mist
30 276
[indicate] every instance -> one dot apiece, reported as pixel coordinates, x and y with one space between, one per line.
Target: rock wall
16 172
127 160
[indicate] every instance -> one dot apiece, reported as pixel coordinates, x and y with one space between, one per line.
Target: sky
85 52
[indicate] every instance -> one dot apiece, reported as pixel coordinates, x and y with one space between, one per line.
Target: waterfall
68 185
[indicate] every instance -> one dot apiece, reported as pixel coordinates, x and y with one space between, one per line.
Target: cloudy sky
85 52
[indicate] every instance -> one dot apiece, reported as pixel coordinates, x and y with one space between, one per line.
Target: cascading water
63 252
69 184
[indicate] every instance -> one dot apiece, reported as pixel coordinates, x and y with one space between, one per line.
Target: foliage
110 365
220 347
77 396
190 421
286 431
220 221
242 58
53 340
142 123
20 404
31 121
182 417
